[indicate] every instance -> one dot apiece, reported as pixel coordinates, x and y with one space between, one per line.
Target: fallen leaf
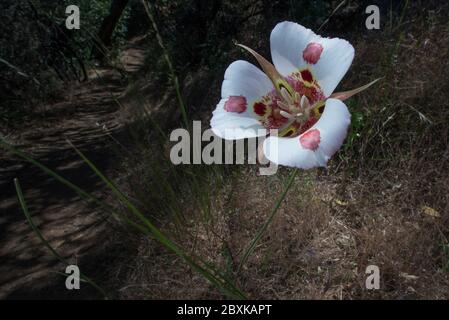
341 203
408 276
431 212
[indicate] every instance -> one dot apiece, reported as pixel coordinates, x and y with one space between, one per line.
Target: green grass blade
148 228
264 227
210 275
149 11
230 290
44 241
83 194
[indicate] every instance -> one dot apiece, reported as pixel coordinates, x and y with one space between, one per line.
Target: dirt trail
75 229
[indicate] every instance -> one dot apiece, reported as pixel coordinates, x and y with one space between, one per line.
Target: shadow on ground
77 230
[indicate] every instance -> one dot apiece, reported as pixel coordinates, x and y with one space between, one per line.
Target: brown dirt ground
87 115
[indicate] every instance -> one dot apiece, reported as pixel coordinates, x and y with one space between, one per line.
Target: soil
88 115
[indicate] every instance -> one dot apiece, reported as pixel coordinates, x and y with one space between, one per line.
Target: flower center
292 111
294 107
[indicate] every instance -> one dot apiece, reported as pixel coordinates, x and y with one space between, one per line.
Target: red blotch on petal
308 124
310 89
307 75
273 123
260 108
312 52
235 104
321 109
310 140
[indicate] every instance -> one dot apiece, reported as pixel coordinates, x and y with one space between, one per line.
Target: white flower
294 96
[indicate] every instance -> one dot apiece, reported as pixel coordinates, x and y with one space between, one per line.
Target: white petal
245 79
232 126
288 42
335 61
332 126
241 79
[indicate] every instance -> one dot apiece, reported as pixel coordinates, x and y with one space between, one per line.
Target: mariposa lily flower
295 96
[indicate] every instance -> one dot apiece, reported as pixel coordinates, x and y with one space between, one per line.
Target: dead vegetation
383 201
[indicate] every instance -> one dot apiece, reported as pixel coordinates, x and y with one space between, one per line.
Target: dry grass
367 208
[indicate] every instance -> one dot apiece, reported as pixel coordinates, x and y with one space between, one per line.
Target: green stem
207 272
225 285
262 230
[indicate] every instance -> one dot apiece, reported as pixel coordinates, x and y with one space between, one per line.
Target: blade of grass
83 194
207 272
195 185
264 227
45 242
149 229
401 18
19 72
332 14
149 12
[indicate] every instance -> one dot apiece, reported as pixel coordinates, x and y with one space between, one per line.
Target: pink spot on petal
310 140
235 104
312 52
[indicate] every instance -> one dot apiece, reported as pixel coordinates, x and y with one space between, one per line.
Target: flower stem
264 227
